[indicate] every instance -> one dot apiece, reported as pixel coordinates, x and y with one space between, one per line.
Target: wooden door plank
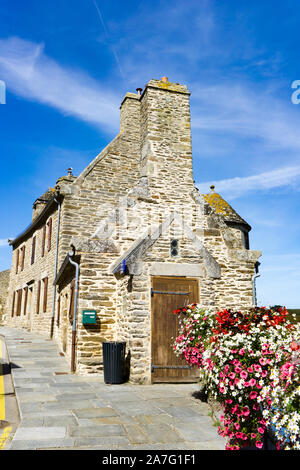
165 326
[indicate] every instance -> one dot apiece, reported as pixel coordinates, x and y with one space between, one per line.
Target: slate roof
221 207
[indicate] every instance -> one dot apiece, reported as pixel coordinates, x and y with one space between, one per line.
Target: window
19 301
33 250
174 249
25 300
45 285
13 304
49 225
17 260
43 240
23 257
38 297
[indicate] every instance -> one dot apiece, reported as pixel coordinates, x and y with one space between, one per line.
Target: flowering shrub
237 354
284 413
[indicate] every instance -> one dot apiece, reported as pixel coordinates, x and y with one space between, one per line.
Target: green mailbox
89 317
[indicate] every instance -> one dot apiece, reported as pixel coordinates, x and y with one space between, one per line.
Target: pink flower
253 435
261 430
252 395
262 361
237 426
257 368
250 369
231 375
259 444
242 352
252 382
245 411
244 374
237 369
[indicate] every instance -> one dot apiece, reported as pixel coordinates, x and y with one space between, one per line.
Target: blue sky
67 65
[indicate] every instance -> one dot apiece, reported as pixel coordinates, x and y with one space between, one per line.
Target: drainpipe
74 325
55 266
254 277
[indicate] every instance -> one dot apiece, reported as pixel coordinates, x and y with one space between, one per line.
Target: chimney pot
164 79
139 90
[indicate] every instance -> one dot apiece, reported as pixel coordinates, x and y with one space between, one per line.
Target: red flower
294 346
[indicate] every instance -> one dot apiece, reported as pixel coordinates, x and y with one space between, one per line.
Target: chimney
166 149
130 113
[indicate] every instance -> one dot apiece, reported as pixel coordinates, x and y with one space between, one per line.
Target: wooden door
169 294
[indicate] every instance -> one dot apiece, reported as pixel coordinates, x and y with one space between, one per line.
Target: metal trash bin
114 362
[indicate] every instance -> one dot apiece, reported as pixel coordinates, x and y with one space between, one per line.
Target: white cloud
3 242
243 110
30 73
235 187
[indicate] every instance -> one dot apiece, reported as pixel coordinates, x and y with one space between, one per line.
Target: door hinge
167 292
168 367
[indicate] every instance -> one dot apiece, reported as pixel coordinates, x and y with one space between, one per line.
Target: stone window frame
23 250
49 233
13 304
174 247
33 247
45 293
38 297
19 302
43 240
17 260
25 299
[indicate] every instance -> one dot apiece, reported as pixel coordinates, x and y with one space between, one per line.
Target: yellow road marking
2 396
4 436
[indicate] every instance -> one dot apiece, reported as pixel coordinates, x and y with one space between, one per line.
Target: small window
33 250
23 257
25 300
174 248
17 260
49 225
45 285
43 240
19 302
13 304
38 297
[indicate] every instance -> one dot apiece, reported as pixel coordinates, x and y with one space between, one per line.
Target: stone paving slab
66 411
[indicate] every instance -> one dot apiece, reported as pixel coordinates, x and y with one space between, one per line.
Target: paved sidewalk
61 410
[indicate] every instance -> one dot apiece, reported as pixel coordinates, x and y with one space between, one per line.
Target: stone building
4 280
111 253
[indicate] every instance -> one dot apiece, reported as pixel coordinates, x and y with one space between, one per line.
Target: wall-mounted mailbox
89 317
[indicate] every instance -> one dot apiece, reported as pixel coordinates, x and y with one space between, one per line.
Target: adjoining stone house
128 241
4 281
